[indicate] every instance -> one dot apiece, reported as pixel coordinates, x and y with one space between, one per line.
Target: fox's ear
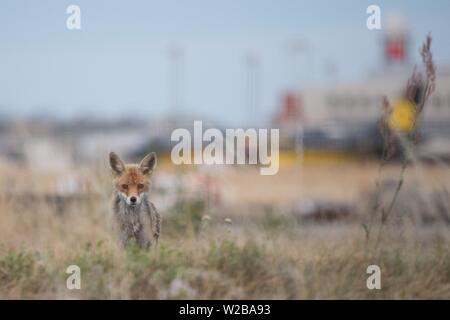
148 164
116 164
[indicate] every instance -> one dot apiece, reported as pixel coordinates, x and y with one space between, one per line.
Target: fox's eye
124 186
140 186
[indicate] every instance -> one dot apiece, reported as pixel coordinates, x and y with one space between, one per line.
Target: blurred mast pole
252 65
296 50
176 81
331 71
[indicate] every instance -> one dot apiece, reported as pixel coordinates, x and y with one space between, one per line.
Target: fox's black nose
133 199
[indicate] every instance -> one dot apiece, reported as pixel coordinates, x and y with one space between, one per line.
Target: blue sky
117 64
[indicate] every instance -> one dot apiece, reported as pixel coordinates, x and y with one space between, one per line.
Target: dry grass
201 259
338 182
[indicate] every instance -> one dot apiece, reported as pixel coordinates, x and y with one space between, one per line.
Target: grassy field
201 256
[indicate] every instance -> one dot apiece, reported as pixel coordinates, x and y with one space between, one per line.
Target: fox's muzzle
133 200
130 200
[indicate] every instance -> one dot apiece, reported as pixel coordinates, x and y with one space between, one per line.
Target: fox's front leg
142 239
125 237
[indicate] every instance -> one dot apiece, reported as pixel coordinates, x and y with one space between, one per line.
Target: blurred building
344 116
51 144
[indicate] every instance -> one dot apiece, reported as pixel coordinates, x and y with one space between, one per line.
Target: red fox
132 209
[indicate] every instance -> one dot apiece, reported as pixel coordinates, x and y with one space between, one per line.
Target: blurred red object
395 50
291 110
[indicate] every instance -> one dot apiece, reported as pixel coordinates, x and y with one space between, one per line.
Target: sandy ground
345 182
243 185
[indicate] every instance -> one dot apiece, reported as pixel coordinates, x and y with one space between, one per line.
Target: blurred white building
347 113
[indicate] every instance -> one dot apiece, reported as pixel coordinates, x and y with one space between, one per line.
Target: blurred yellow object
287 158
403 116
316 157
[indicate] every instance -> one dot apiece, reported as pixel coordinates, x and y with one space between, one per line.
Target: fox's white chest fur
139 223
131 217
